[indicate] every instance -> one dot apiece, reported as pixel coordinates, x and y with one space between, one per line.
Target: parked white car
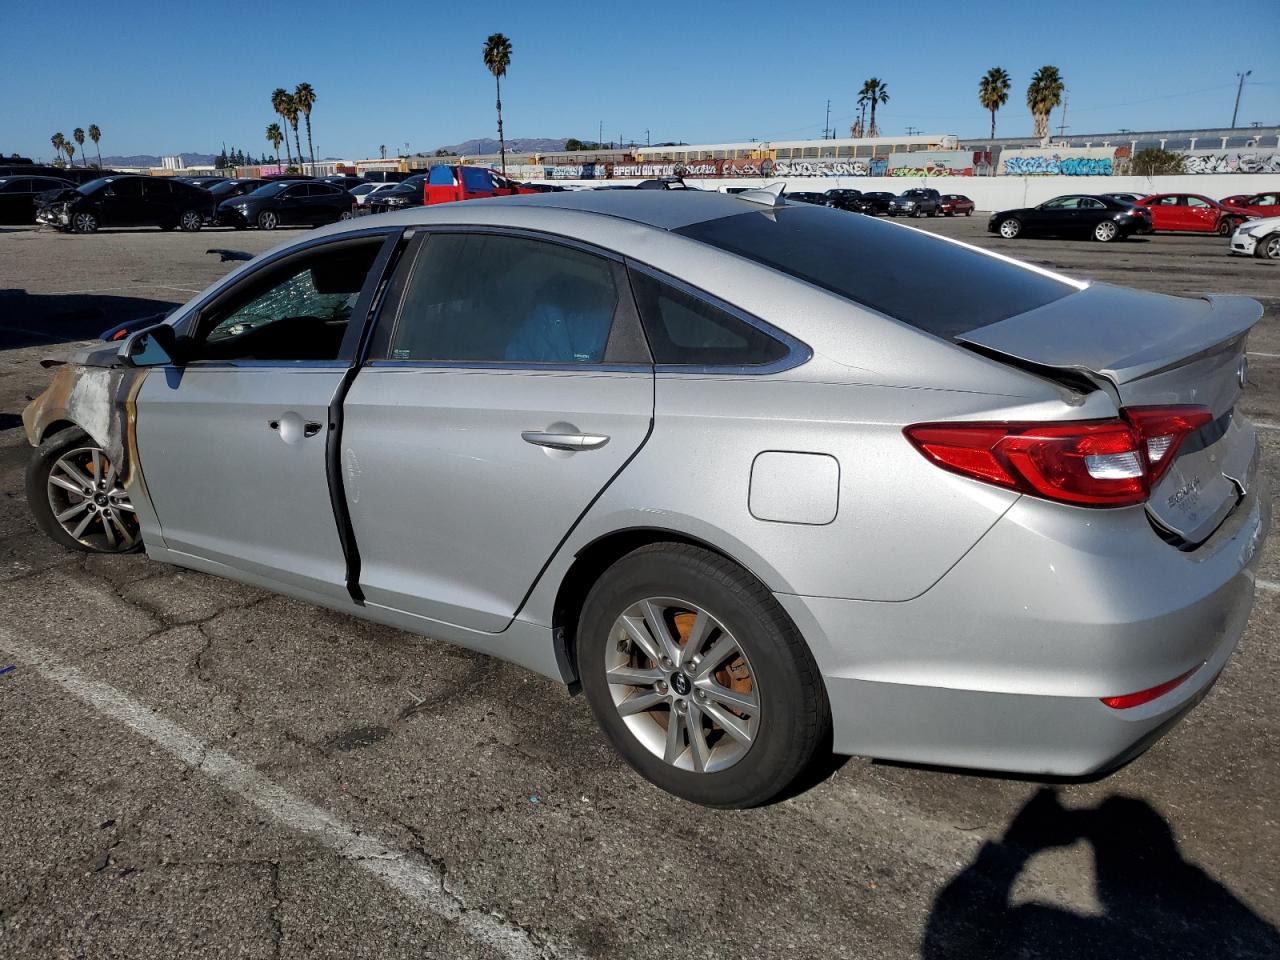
363 192
1258 237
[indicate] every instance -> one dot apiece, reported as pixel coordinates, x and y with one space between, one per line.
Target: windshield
92 185
271 189
937 286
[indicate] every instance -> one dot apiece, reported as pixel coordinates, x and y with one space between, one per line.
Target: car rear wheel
268 220
85 222
968 213
1226 227
345 215
1010 228
1105 231
78 497
1268 248
190 221
699 678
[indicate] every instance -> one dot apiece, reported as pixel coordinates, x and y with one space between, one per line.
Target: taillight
1094 463
1127 701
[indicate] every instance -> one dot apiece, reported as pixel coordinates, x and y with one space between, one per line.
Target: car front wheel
699 678
268 220
190 221
1226 227
1268 248
1010 228
78 498
85 222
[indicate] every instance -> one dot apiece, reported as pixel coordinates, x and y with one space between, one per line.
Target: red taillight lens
1097 463
1127 700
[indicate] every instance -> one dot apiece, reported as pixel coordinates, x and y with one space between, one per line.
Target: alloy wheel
267 220
90 503
1010 229
190 221
1271 247
85 223
682 684
1104 231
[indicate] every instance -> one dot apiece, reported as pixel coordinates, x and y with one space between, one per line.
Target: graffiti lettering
1055 165
1233 162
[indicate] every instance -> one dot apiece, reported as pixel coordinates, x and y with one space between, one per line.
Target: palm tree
876 92
1043 94
274 136
304 95
59 143
71 153
95 135
280 104
291 114
993 93
78 134
497 57
382 151
863 96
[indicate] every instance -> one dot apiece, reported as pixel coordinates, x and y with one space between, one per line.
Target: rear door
1202 216
509 383
1164 212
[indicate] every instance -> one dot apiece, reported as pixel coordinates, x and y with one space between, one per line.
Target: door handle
564 441
290 425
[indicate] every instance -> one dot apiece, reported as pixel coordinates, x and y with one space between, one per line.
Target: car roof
664 209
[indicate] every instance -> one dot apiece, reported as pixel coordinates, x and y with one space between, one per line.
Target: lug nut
666 662
700 694
662 686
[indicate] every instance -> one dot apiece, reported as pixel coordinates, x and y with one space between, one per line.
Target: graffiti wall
1232 161
1066 162
933 163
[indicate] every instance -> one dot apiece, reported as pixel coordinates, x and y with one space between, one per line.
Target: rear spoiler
1118 333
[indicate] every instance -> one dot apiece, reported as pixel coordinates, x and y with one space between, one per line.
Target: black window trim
389 314
798 352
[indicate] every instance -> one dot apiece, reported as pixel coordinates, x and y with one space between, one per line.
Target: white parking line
418 880
1264 425
1268 585
1269 356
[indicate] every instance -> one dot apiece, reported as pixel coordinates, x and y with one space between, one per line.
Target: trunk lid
1152 349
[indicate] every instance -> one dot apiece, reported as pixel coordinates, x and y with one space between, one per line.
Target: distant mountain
485 145
149 160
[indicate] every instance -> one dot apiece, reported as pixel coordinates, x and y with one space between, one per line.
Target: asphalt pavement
194 768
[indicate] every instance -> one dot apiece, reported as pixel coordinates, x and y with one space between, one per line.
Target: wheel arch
589 564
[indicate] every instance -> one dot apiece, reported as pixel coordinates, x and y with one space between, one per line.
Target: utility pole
600 137
826 126
912 131
1239 90
646 136
1062 127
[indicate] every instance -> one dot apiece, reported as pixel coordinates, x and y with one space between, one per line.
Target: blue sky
161 78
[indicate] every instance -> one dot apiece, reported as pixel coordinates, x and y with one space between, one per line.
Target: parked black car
1083 215
410 193
916 203
18 196
76 175
205 182
128 200
843 199
875 202
345 181
286 203
1124 197
387 176
805 196
229 190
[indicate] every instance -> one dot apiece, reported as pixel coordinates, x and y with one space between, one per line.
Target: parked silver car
757 477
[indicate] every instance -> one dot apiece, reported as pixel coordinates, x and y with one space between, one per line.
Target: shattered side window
296 297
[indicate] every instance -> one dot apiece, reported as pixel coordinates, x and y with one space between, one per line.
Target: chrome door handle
564 441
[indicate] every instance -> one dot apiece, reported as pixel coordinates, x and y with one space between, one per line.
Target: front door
1202 216
233 442
514 385
123 204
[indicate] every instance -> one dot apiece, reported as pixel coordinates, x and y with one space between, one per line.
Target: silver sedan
761 479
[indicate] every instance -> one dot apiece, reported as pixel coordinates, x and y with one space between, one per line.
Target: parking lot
197 768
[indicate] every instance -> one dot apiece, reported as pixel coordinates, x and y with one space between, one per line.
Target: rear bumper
1002 664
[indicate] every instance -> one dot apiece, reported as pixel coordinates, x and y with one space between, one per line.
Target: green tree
291 113
304 95
70 148
1043 94
993 93
78 135
95 135
275 136
497 57
876 92
280 100
59 145
1154 162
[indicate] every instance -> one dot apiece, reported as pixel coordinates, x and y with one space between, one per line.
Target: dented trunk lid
1152 349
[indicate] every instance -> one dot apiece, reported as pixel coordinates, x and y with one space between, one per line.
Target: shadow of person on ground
1156 904
34 319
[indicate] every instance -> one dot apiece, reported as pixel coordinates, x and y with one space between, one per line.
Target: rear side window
484 298
477 179
441 176
687 330
934 285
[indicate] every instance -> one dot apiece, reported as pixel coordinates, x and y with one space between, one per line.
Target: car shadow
34 319
1155 903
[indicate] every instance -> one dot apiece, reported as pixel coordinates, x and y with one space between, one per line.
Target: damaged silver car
762 479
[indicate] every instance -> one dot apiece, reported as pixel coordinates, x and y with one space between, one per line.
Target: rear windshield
932 284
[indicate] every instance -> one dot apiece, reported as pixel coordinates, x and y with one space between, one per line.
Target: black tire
1226 227
86 221
968 213
42 463
933 212
1105 231
795 716
268 220
1009 228
190 221
1268 248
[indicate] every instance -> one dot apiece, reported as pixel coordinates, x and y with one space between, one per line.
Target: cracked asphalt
190 767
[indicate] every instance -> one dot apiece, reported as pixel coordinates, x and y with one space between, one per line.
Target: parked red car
955 204
1192 213
1256 204
446 184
